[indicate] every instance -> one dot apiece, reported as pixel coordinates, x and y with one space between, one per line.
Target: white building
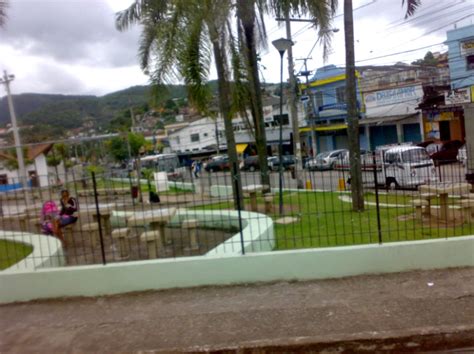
199 135
37 169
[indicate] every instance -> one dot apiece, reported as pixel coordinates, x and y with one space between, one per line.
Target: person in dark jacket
69 208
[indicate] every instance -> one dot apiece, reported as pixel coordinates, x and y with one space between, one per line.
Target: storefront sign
402 100
472 93
432 130
268 114
437 116
467 47
457 96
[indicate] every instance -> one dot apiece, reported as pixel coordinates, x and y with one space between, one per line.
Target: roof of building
32 152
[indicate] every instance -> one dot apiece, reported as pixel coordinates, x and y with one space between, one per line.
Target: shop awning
325 128
387 119
241 147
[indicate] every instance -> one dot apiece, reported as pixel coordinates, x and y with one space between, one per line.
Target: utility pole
312 116
292 107
16 136
216 132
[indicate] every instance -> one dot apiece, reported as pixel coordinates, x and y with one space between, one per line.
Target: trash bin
134 192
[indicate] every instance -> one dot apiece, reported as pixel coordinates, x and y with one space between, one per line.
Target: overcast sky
72 46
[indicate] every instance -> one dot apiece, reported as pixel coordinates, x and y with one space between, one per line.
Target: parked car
326 160
462 155
221 164
288 162
443 152
366 161
250 163
271 160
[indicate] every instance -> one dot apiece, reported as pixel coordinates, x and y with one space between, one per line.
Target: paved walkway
405 311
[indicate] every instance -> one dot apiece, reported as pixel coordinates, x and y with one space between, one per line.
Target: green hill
50 116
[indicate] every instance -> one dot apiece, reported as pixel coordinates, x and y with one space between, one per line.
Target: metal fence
122 219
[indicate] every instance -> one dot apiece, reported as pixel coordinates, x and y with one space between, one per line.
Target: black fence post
377 204
239 207
96 199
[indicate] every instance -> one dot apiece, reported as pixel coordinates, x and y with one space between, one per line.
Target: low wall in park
257 229
307 264
47 251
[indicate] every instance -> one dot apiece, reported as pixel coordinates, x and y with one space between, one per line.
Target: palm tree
252 34
351 97
3 12
178 40
248 27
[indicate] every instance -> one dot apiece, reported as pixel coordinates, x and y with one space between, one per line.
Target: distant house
36 168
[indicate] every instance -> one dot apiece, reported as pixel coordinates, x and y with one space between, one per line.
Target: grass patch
324 220
12 252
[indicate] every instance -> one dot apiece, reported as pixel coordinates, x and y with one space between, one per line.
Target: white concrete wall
319 263
47 251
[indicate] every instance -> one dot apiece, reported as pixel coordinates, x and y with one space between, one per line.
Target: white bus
168 163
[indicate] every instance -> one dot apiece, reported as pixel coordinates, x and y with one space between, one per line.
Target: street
320 180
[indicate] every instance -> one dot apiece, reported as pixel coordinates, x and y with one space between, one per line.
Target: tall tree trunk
352 111
292 107
247 17
225 108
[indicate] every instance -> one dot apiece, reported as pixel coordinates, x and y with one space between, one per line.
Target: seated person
69 207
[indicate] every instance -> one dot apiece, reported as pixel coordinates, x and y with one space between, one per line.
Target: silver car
326 160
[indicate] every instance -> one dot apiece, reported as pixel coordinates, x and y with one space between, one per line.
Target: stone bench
93 229
154 243
419 204
191 225
268 199
467 207
428 197
121 235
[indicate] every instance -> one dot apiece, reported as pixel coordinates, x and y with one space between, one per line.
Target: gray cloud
70 31
52 79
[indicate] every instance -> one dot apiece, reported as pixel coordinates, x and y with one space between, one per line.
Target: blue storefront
327 90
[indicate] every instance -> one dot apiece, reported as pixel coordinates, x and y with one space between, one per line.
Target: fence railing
122 217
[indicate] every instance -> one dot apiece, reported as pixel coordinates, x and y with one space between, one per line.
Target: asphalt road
322 180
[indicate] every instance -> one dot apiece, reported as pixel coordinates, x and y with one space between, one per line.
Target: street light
282 45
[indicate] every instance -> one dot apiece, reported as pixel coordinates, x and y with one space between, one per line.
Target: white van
406 166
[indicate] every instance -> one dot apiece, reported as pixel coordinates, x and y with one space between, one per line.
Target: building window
318 97
3 179
194 138
177 140
341 94
205 135
286 120
470 62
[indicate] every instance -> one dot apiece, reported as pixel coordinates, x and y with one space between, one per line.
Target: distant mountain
50 116
33 108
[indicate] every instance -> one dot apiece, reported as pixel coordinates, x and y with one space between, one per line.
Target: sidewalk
413 311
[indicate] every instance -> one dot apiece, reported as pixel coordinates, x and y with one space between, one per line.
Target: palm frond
154 10
146 46
412 5
3 12
129 16
195 64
